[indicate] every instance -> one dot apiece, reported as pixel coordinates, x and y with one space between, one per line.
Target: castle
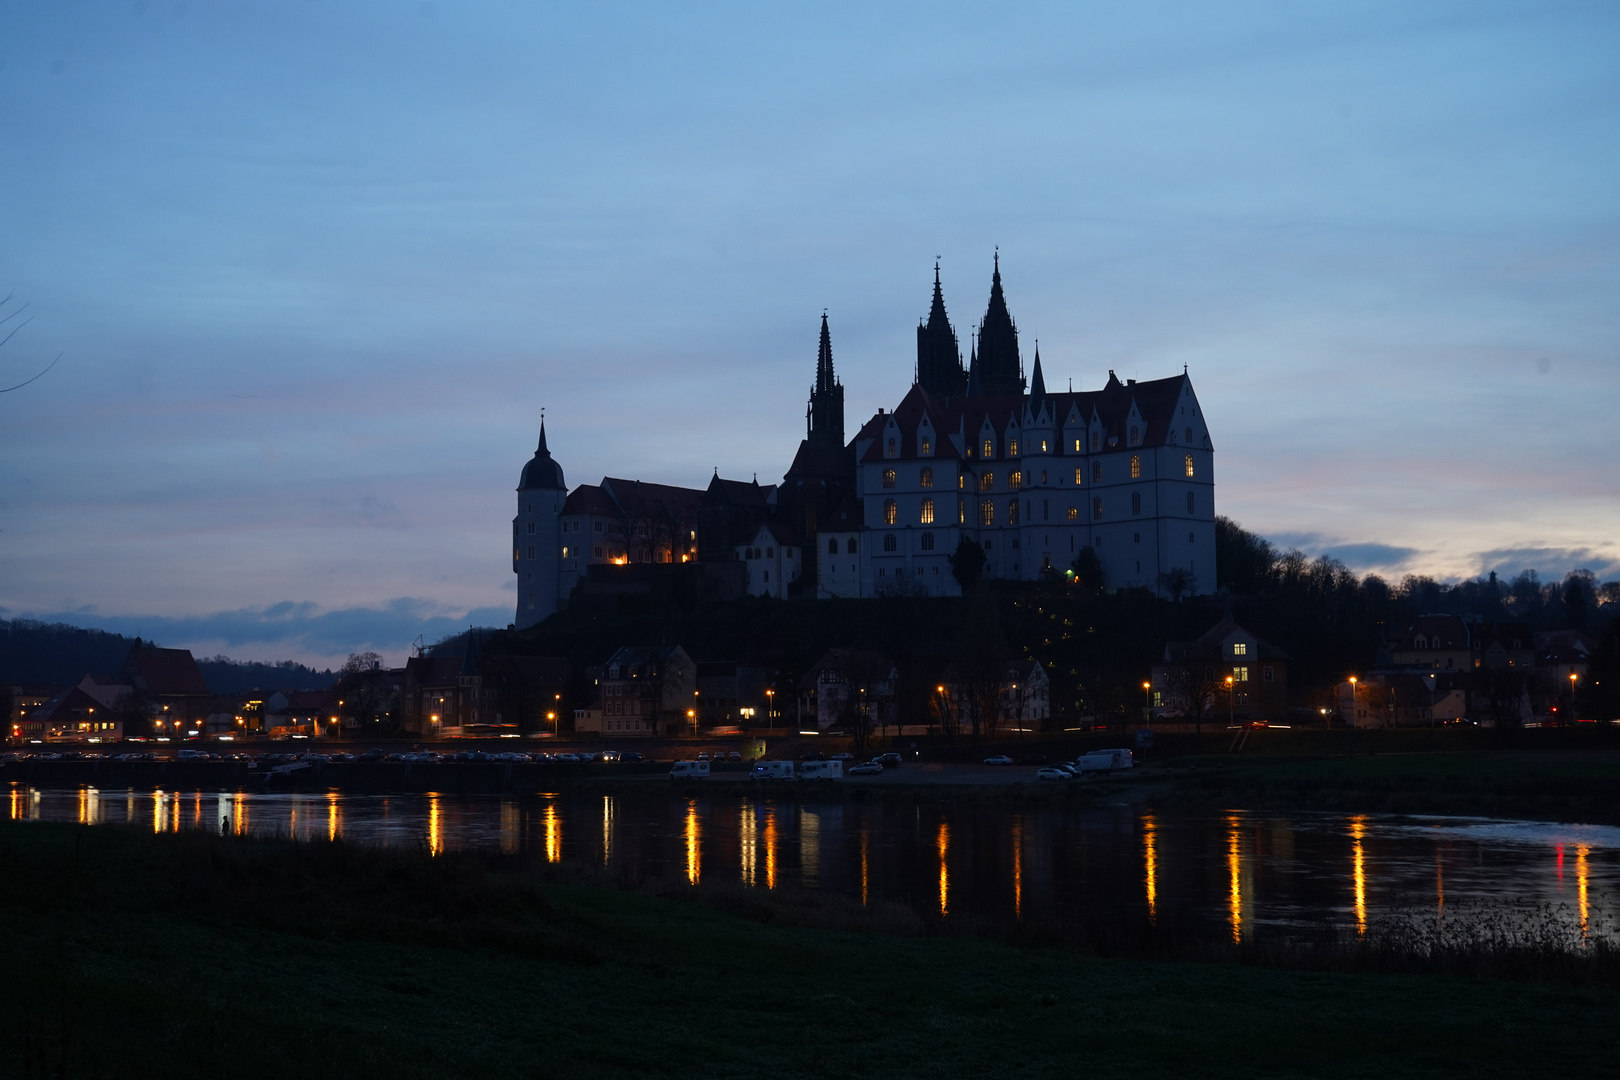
971 453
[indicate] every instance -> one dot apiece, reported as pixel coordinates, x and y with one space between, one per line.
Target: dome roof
542 472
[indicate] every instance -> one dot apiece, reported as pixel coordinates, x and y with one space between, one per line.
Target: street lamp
1572 697
1354 720
1231 694
1147 701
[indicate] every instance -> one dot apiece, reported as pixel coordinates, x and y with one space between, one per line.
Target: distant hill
37 652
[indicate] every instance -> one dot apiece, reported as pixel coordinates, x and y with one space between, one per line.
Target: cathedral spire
998 366
939 356
1037 384
825 414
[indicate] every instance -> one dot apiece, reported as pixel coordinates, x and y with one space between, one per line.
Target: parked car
610 755
998 759
1050 772
704 756
891 760
568 757
844 756
1104 761
372 755
734 756
865 768
630 755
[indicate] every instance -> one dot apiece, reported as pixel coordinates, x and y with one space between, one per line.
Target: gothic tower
537 535
939 357
997 370
824 416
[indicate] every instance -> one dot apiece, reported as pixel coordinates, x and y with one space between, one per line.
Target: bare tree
9 334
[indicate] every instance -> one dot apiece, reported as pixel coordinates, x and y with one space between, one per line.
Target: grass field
128 954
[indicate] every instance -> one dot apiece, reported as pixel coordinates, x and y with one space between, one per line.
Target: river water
1237 874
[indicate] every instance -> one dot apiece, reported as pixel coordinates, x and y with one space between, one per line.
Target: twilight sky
314 268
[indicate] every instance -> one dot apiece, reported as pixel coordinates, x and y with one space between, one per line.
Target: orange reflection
511 827
944 844
770 848
694 850
1234 867
196 810
239 813
1018 868
292 815
809 848
866 843
1358 830
609 811
16 803
1580 885
157 810
334 816
748 840
435 836
553 825
1150 860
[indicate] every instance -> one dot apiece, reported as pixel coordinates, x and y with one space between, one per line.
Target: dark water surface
1236 874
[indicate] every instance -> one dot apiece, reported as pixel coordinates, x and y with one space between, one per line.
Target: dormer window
1189 434
1240 648
893 448
1136 434
1077 445
1189 465
1096 440
989 449
888 478
1012 448
927 446
987 482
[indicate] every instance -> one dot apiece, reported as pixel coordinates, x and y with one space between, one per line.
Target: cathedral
974 452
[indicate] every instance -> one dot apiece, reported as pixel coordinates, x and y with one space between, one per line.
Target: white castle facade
1040 482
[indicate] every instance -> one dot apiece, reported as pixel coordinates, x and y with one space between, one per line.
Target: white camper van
689 770
779 770
1104 761
821 770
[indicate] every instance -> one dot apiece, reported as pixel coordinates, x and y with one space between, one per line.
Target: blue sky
313 269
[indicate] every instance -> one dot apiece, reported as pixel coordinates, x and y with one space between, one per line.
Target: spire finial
541 449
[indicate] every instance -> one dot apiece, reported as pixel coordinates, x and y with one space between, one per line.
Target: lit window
891 450
927 446
1136 467
1079 476
1240 673
961 481
1096 509
565 552
1136 502
928 545
989 449
1043 446
1077 445
961 511
1074 513
987 513
926 478
928 511
1189 465
890 543
888 478
987 482
1012 513
1012 448
1240 648
890 511
1015 480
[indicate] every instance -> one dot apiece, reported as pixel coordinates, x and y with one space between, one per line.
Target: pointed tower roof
469 659
939 356
998 366
542 473
824 359
1037 384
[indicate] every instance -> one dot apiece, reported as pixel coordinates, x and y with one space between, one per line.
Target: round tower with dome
537 535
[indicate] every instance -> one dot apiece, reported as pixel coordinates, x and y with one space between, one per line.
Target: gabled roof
639 499
855 665
723 492
1207 646
590 499
164 672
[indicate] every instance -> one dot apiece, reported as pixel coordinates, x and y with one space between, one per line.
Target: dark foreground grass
134 955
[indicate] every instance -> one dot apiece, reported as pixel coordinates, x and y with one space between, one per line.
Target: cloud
295 630
1549 562
1358 555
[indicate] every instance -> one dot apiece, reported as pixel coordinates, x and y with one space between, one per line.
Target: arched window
1079 475
928 541
770 553
1136 502
1012 448
1043 446
888 478
987 513
1189 502
1096 509
890 511
849 548
927 447
926 477
1074 513
961 511
987 482
1189 465
927 512
989 449
1136 467
1012 511
890 543
1015 480
1096 472
832 547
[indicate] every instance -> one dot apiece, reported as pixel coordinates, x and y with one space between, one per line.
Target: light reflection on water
1250 874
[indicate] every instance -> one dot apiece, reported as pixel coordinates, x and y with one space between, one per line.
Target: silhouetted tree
967 564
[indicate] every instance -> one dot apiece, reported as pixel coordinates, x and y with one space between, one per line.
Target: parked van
1104 761
783 770
821 770
689 770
